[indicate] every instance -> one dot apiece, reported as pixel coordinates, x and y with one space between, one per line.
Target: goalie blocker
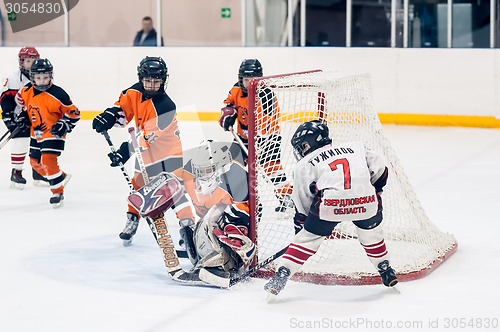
157 196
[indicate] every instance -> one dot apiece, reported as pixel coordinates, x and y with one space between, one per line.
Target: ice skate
67 177
39 180
278 282
17 180
130 229
57 200
387 274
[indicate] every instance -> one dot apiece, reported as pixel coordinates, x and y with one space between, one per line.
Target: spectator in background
146 36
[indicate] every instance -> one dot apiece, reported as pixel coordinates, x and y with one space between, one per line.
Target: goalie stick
225 281
160 230
180 253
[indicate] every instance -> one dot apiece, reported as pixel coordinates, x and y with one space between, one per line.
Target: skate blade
58 205
40 183
66 179
396 289
271 298
127 243
18 186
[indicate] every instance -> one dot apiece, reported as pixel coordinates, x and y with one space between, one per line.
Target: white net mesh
344 102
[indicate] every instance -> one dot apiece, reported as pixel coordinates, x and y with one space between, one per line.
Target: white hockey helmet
212 159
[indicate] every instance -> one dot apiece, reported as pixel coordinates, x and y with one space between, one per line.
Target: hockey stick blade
216 278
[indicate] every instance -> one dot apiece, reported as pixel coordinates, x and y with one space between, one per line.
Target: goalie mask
308 137
211 161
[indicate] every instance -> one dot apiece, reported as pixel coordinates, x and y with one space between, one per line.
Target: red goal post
344 102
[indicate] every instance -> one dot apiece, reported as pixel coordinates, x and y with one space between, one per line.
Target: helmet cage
249 68
26 52
308 137
41 66
153 67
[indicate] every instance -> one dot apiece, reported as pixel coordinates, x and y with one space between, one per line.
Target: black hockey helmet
249 68
154 67
314 133
41 66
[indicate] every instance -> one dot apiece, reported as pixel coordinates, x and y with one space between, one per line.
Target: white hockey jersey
11 85
345 173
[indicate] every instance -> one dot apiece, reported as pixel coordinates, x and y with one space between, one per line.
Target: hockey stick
122 167
180 253
160 230
15 131
222 278
247 274
238 139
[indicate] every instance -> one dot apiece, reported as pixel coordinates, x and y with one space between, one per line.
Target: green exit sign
225 12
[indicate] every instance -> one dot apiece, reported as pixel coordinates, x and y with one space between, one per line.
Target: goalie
218 188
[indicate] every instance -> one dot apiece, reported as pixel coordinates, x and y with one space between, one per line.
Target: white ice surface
66 269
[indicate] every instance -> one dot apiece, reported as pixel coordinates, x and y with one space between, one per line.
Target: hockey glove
104 121
23 121
298 221
228 117
120 156
9 121
59 129
381 181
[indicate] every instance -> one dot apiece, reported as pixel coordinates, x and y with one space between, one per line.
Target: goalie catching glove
235 237
222 244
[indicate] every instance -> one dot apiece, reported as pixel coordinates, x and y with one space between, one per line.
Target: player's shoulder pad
188 167
236 181
236 153
135 86
61 95
163 104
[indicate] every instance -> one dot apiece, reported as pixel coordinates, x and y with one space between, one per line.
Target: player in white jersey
333 184
12 105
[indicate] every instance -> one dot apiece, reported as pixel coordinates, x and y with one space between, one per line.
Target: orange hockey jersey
46 108
156 121
267 114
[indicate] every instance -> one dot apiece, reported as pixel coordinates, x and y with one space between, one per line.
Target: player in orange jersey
156 124
11 107
51 115
218 187
236 108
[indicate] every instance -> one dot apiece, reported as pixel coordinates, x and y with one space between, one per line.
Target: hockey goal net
344 102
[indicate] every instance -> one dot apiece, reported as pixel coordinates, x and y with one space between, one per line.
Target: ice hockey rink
66 269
